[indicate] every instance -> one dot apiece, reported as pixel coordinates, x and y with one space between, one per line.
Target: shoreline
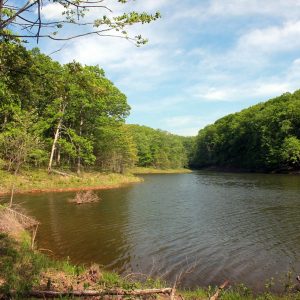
249 171
39 181
70 189
142 170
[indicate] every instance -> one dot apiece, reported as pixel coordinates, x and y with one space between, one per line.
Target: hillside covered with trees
264 137
72 117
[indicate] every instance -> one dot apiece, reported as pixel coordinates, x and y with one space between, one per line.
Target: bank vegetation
71 118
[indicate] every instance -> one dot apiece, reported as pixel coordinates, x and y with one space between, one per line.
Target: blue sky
204 59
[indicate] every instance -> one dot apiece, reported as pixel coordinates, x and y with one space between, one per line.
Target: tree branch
29 4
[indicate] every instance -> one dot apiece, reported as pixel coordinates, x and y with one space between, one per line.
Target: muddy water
242 227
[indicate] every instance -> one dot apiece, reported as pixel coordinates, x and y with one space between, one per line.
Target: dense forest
72 117
264 137
160 149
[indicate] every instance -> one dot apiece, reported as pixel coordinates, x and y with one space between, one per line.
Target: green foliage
264 137
291 151
19 265
37 94
20 141
160 149
71 116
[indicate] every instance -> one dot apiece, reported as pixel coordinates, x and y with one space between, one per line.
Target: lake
210 226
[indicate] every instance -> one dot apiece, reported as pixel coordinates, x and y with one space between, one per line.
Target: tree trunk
58 157
1 8
56 137
101 293
79 149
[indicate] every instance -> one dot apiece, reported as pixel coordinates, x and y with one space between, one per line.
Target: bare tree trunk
56 137
79 149
58 156
100 293
1 8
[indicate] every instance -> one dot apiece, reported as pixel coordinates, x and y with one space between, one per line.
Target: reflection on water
242 227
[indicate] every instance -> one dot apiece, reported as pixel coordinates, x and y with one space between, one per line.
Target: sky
204 59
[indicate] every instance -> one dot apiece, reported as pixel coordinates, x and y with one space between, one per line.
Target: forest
72 117
264 137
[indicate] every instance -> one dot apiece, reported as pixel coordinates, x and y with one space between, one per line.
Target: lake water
210 226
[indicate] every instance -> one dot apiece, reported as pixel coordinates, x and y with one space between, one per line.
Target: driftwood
85 197
219 290
87 293
60 173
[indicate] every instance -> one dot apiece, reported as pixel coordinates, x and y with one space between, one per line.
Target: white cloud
184 66
52 11
212 94
151 5
231 8
270 89
272 39
288 9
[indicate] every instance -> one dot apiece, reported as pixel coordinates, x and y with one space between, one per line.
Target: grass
22 269
40 180
238 292
141 170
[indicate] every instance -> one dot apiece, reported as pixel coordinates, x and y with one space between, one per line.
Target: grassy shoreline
37 181
40 181
141 170
24 270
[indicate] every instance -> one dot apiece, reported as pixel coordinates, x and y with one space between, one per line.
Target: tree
26 20
159 149
115 148
20 141
263 137
291 152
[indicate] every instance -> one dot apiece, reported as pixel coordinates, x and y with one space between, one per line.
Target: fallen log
88 293
61 173
219 290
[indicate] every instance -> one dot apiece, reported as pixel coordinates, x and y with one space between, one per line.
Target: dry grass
142 170
52 279
14 223
85 197
41 181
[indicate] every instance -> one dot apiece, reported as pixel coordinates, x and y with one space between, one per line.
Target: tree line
264 137
72 117
161 149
